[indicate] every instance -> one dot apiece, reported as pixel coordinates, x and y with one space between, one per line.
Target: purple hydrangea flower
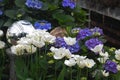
1 0
61 43
91 43
97 30
74 48
83 34
1 12
42 25
110 66
69 3
36 4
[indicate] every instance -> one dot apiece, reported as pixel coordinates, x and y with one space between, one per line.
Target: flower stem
78 73
70 73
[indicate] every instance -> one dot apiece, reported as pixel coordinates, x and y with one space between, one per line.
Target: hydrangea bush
79 54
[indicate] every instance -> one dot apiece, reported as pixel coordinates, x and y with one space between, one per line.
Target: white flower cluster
69 40
81 61
37 38
117 54
2 44
105 56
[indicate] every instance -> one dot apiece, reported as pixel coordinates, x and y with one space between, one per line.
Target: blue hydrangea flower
110 66
69 3
61 43
83 34
42 25
36 4
97 31
1 12
73 48
91 43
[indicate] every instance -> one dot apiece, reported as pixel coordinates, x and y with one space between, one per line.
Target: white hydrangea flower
97 48
71 62
69 40
117 54
18 49
30 48
59 53
2 44
106 74
1 33
118 67
89 63
103 59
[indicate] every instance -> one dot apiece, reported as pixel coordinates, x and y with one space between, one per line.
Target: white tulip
103 59
24 41
38 44
71 62
89 63
59 53
69 40
81 64
2 44
118 67
18 49
117 51
80 60
97 48
117 54
106 74
30 48
104 54
49 38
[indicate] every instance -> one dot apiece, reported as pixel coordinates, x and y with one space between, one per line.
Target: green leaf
45 6
1 23
62 73
8 23
20 3
62 18
11 13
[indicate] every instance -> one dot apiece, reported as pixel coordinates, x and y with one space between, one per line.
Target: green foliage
51 11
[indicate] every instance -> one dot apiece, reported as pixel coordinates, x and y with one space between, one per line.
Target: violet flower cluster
61 43
110 66
83 33
36 4
69 3
91 43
